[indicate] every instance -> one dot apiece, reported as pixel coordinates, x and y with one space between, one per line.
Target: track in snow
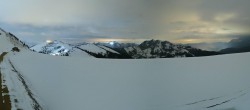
5 103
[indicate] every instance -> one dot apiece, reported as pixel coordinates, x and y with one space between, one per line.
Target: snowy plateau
38 81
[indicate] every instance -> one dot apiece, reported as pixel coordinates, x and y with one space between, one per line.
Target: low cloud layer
184 21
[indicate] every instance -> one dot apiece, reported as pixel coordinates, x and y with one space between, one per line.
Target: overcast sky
183 21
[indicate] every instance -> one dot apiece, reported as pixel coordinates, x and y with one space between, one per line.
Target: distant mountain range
147 49
165 49
59 48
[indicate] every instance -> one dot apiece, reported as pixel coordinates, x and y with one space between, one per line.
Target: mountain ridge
165 49
147 49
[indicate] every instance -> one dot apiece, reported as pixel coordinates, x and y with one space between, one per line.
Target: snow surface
96 49
71 83
5 44
93 48
19 97
75 52
39 47
108 49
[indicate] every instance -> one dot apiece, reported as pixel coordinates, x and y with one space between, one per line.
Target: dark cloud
240 41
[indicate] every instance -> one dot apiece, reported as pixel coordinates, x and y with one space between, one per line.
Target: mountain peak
52 47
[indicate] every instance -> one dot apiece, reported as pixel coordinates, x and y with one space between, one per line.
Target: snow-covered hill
165 49
206 83
58 48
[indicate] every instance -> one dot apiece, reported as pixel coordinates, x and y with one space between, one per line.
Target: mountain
165 49
58 48
239 45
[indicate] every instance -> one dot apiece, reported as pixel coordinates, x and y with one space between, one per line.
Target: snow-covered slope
101 51
8 41
108 49
207 83
4 43
97 49
75 52
93 49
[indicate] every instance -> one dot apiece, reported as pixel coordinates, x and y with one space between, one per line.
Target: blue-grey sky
183 21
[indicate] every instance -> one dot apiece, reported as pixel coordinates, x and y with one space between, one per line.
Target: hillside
8 41
207 83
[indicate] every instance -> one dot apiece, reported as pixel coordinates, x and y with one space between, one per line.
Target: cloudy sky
182 21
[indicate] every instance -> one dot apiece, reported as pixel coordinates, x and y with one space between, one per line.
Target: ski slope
97 49
93 48
75 52
72 83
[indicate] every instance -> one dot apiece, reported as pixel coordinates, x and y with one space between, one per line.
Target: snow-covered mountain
164 49
56 48
147 49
